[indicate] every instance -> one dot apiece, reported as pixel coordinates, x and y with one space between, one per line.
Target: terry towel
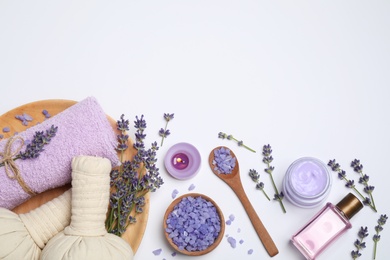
83 129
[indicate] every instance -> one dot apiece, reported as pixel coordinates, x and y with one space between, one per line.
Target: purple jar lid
307 182
182 161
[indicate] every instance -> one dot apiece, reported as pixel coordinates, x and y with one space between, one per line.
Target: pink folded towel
83 129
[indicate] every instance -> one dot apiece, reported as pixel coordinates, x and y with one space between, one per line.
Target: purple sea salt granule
173 254
232 242
241 241
6 129
250 251
157 251
192 186
224 162
193 224
47 115
174 193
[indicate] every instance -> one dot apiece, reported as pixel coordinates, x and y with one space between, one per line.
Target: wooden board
134 233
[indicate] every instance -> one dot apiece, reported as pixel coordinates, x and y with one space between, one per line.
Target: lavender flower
267 159
350 183
255 176
359 244
364 178
133 179
378 228
224 162
230 137
164 132
35 147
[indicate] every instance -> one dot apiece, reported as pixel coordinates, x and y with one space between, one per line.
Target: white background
311 78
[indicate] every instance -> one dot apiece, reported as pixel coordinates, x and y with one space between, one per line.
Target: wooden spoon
234 181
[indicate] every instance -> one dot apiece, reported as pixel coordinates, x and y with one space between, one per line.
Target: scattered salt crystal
241 241
174 193
231 217
228 222
173 254
192 186
157 251
1 136
232 242
27 117
6 129
250 251
47 115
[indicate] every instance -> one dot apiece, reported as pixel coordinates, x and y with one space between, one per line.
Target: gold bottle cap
350 205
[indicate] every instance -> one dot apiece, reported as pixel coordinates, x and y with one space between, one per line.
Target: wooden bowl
216 241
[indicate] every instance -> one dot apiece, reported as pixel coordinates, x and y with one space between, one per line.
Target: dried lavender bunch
255 176
133 180
230 137
267 159
359 244
165 132
36 146
349 183
364 178
378 228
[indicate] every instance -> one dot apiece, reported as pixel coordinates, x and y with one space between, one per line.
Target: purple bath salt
192 186
223 161
174 193
241 241
157 251
231 217
173 254
27 117
232 242
47 115
193 224
6 129
228 222
250 251
1 136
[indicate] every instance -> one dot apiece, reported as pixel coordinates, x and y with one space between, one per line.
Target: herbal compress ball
86 237
193 224
23 236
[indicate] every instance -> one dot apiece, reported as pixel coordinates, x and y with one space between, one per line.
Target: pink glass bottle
326 226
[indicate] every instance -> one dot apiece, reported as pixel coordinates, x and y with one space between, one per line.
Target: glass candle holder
182 161
307 182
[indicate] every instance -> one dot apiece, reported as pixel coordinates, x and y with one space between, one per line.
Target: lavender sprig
133 180
230 137
359 244
255 176
165 132
349 183
36 146
364 178
267 159
378 228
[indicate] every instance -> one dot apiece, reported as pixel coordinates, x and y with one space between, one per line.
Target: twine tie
11 169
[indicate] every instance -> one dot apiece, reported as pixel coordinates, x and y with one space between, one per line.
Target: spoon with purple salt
224 164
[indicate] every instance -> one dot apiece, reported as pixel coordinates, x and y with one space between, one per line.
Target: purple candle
182 161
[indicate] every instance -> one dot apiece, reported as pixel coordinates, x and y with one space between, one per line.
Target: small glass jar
307 182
